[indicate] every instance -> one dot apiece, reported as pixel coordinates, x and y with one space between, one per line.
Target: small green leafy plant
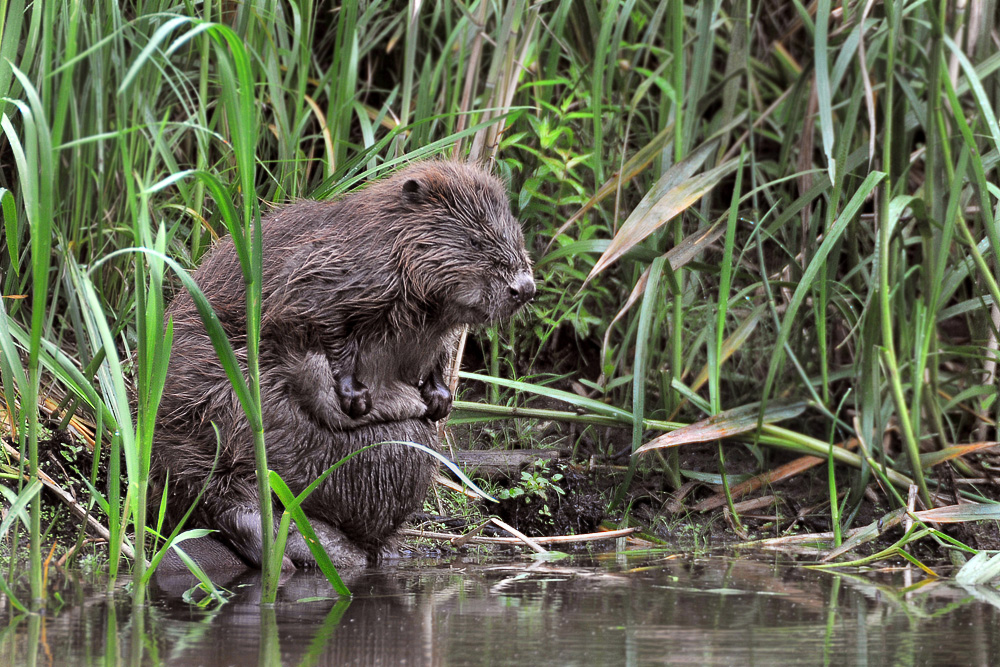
535 484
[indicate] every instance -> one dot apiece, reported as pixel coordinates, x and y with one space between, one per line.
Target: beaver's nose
522 289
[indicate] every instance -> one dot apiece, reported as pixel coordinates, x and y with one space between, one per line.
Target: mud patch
554 499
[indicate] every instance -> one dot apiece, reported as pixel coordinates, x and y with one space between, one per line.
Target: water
605 611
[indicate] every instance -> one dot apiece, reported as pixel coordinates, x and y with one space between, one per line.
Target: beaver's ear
411 187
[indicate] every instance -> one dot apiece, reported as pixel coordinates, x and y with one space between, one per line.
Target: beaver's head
460 250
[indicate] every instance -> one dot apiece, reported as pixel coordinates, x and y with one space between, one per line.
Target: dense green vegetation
729 203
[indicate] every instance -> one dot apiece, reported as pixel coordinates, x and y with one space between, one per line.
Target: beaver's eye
474 242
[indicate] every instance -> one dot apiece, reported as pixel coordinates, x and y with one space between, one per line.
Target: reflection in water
612 612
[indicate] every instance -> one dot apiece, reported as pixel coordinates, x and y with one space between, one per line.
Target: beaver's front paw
437 397
355 399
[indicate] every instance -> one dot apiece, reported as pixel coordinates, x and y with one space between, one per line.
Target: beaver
362 299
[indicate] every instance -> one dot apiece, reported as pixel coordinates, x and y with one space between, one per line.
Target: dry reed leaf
725 424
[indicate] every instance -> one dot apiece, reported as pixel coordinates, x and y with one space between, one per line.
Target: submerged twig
535 546
555 539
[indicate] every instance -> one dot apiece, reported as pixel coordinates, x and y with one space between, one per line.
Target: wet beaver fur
362 299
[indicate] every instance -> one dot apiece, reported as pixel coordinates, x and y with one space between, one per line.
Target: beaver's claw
355 399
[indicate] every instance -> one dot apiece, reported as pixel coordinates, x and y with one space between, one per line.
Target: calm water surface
604 611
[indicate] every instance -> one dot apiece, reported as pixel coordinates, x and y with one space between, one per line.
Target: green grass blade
294 509
805 283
